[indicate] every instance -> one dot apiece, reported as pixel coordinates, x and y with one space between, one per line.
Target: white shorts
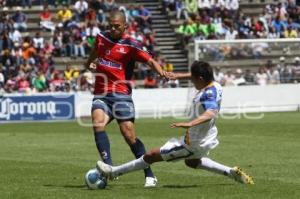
176 149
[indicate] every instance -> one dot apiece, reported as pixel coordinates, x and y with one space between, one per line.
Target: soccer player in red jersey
113 61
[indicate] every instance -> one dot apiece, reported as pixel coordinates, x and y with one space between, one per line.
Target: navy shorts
116 106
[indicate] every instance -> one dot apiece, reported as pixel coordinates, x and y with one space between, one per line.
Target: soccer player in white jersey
200 137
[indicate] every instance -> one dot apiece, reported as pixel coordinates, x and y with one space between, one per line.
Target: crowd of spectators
223 19
271 73
27 62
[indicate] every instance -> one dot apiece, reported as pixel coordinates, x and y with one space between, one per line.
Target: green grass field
49 160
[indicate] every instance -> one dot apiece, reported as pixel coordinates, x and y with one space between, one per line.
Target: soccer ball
95 180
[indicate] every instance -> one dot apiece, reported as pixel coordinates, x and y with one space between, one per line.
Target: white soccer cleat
106 169
150 181
240 176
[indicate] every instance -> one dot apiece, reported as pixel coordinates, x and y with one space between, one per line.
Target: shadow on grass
81 187
193 186
66 186
180 186
134 186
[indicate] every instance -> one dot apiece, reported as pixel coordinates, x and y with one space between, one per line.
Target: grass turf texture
49 160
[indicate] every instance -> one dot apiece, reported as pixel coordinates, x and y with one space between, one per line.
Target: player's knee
192 163
99 125
99 119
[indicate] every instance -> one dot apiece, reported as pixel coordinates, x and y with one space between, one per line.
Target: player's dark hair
202 69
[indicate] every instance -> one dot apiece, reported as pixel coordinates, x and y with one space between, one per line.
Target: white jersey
208 98
200 139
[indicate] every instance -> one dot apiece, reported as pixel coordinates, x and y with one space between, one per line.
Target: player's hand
172 76
165 74
184 125
169 75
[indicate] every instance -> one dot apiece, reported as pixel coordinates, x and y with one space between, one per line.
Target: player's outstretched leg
134 165
207 164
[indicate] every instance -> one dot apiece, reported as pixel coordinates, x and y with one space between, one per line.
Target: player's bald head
117 24
117 16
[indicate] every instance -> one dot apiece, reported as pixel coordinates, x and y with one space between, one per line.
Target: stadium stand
51 43
253 19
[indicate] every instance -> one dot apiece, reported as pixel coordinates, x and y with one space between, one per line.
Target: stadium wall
270 98
159 103
155 103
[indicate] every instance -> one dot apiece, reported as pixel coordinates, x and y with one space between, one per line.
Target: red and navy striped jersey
115 63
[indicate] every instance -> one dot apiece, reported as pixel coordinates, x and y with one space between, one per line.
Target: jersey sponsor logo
122 50
110 64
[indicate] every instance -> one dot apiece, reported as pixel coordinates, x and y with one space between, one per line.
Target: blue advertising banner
42 107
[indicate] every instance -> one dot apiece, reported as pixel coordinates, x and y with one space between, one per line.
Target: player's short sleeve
209 99
139 54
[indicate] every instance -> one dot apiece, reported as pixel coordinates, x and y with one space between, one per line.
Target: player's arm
90 62
182 75
204 117
156 67
144 57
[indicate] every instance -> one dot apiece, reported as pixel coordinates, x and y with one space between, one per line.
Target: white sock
213 166
133 165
